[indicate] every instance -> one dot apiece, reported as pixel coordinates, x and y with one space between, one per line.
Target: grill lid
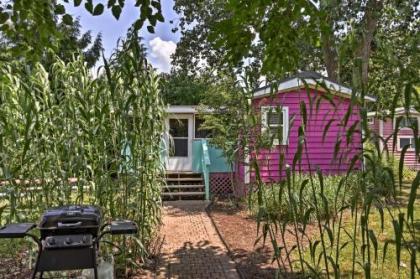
73 216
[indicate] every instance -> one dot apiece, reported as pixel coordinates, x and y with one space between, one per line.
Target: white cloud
160 53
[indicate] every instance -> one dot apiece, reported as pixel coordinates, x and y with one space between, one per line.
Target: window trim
411 138
264 124
168 135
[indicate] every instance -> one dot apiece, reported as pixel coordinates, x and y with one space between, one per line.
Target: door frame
178 163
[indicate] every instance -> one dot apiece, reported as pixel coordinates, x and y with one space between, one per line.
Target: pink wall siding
388 130
319 152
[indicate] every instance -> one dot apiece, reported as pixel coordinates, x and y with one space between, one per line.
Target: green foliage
64 124
195 23
330 217
395 50
73 43
372 45
231 115
408 175
34 22
179 88
380 178
69 42
277 202
383 169
365 43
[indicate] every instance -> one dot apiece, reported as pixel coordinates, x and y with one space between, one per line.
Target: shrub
382 173
408 174
336 192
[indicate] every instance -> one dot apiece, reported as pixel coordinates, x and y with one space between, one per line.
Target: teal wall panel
197 156
218 162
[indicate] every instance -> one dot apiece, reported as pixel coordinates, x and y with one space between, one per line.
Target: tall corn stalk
357 201
322 242
69 138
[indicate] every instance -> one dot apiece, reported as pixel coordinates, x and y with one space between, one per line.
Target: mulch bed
239 231
14 259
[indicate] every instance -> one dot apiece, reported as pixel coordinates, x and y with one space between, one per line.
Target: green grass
382 267
341 227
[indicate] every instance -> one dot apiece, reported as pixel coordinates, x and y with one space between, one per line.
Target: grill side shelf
17 230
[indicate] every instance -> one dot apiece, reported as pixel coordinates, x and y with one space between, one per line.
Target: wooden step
174 186
169 194
184 179
182 172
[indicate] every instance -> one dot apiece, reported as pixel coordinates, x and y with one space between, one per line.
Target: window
199 132
405 122
406 141
178 129
275 123
370 120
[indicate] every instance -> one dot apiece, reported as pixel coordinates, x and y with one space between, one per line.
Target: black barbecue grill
69 237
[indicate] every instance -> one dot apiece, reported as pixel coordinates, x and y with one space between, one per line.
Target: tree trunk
329 53
328 45
368 27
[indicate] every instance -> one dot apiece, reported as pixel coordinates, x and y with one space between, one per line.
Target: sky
160 45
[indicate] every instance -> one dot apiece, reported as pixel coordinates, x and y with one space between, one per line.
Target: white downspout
381 134
247 175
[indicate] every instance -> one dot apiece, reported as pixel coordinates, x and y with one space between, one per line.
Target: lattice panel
220 183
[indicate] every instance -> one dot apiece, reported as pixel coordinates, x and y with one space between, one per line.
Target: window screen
201 133
178 129
180 147
406 141
274 118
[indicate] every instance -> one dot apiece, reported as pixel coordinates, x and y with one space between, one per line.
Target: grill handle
66 225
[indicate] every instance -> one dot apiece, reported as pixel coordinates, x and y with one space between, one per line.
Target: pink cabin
383 125
328 145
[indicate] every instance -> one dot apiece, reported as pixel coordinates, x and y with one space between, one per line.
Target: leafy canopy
35 21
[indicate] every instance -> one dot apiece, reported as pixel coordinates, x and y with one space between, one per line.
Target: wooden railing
205 167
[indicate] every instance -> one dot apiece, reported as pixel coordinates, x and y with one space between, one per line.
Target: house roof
310 78
397 111
181 109
191 109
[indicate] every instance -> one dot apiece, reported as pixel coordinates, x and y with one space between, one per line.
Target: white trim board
181 109
297 82
397 111
187 109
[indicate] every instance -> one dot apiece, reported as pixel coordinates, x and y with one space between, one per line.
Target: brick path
191 247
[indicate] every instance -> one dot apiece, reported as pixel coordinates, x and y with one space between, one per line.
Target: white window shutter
264 119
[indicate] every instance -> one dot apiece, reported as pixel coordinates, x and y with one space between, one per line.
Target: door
180 129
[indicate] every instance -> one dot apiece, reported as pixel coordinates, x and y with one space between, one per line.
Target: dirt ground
239 231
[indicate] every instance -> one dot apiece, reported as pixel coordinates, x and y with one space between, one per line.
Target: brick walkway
191 247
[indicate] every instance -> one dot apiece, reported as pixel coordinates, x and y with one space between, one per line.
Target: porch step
184 179
170 194
183 186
